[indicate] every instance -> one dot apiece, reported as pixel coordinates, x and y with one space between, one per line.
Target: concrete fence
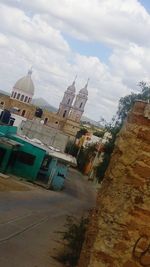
47 135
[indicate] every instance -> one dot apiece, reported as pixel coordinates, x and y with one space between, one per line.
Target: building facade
70 110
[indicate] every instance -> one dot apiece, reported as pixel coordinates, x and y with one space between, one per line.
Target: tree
73 237
99 134
127 102
125 105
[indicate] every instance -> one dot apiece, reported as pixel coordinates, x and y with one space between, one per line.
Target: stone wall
119 233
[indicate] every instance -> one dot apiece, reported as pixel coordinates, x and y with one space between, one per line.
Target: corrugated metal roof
9 141
62 156
56 154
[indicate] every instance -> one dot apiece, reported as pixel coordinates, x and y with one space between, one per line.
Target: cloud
14 22
114 22
32 33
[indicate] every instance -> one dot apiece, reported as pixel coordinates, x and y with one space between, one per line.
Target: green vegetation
99 133
127 102
125 105
85 154
72 237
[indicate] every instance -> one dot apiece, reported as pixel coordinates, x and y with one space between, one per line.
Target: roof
56 154
8 141
84 90
64 157
25 84
72 88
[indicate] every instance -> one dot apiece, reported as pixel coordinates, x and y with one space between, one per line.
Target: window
64 114
15 95
2 154
29 100
18 96
2 104
45 120
12 94
68 101
22 97
23 112
24 157
46 162
81 105
26 98
56 122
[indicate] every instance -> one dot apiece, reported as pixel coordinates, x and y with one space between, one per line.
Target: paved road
29 220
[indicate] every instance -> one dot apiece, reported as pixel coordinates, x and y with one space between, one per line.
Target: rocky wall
119 232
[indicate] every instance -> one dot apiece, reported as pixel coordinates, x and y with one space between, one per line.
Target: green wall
27 171
4 164
20 169
7 130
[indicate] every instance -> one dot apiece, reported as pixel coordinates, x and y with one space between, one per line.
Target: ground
30 218
8 184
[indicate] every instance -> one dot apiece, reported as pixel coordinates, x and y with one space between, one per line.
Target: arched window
77 118
15 95
68 101
18 96
23 112
26 99
12 94
45 120
2 104
64 114
22 97
29 100
81 104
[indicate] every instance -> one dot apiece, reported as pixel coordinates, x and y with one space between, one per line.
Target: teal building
21 157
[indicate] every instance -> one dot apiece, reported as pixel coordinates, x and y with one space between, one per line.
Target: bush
71 149
73 238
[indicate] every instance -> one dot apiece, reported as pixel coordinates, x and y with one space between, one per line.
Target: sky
107 41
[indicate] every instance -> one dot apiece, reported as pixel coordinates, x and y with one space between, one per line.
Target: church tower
66 103
79 104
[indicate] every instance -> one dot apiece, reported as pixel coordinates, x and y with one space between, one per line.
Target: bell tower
79 104
66 103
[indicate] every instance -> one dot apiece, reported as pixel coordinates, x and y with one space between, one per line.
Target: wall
11 103
119 232
71 127
53 120
47 135
27 171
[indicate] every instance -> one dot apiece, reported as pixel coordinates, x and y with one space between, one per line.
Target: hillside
42 103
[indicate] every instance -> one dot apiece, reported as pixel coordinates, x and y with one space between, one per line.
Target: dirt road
29 219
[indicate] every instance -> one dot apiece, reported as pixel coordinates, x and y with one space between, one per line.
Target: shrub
73 237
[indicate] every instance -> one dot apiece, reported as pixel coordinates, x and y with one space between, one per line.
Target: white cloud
32 33
15 22
114 22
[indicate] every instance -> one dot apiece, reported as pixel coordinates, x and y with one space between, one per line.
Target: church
68 116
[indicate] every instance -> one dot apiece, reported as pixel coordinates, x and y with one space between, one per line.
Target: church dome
23 89
25 84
